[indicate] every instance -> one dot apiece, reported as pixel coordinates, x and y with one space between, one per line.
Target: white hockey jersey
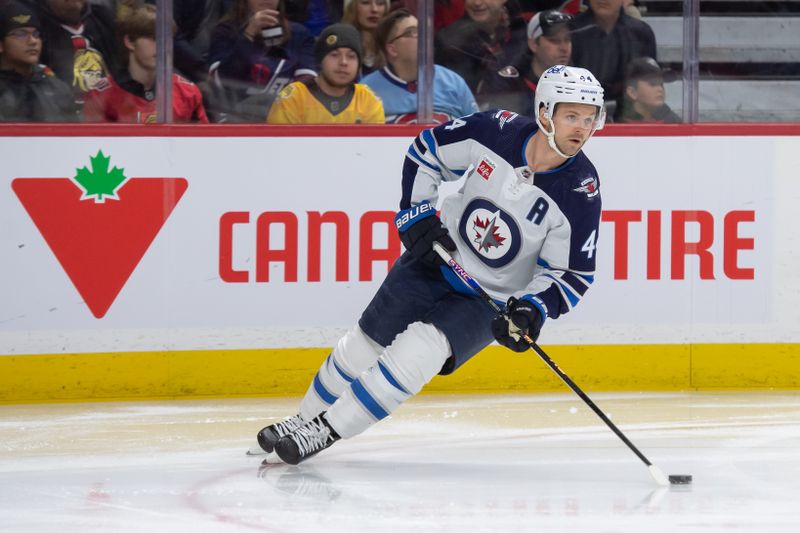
517 233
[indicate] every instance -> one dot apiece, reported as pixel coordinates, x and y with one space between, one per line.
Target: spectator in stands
485 47
319 16
365 16
29 92
129 96
644 99
195 20
333 97
396 83
605 39
445 12
78 42
255 52
549 44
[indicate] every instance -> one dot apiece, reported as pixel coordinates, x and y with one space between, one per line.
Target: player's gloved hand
520 317
419 227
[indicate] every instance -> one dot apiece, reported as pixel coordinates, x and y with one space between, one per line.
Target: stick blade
658 475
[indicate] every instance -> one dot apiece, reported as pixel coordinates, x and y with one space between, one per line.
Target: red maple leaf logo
487 234
99 243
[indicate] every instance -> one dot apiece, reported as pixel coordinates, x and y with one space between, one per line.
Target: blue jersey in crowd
451 96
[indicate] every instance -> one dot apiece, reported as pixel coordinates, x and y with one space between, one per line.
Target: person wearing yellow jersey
333 97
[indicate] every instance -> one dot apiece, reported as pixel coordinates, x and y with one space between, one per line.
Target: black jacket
58 51
41 98
628 115
489 68
606 55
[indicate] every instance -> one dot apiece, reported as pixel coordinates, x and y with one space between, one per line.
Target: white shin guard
353 353
404 367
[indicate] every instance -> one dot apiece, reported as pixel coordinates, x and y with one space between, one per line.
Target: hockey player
524 226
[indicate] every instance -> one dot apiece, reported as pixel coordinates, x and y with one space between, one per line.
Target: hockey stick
655 472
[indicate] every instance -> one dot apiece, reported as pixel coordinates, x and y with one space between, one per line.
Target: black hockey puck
680 480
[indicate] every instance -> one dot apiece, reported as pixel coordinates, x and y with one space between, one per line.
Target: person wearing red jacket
129 95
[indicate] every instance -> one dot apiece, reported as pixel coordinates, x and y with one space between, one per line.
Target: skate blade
272 459
256 450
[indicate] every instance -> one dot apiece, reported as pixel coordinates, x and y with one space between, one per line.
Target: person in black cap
29 92
333 97
550 43
644 98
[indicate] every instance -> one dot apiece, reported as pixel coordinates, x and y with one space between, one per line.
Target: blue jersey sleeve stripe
324 394
420 146
391 379
588 277
569 295
419 160
430 141
577 283
367 401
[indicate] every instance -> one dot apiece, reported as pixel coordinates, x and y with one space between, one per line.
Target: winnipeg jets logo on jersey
588 186
492 234
487 235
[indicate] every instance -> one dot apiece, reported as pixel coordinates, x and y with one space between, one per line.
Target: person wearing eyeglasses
29 92
79 42
396 83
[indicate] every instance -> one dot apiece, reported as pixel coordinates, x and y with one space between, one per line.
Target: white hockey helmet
565 84
562 84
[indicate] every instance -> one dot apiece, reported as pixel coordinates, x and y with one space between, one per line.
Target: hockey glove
520 317
419 227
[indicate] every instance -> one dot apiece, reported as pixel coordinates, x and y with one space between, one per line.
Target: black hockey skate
271 434
305 441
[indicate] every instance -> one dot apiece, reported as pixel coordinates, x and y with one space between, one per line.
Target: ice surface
457 463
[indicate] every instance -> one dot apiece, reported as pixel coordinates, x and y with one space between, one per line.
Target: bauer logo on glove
419 227
409 216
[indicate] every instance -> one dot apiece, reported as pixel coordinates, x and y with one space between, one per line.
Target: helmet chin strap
551 135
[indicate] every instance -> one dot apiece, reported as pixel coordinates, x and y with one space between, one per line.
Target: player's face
143 52
648 92
369 13
68 10
21 47
573 124
340 67
485 12
553 50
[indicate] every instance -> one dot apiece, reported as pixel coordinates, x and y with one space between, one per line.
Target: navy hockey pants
413 292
